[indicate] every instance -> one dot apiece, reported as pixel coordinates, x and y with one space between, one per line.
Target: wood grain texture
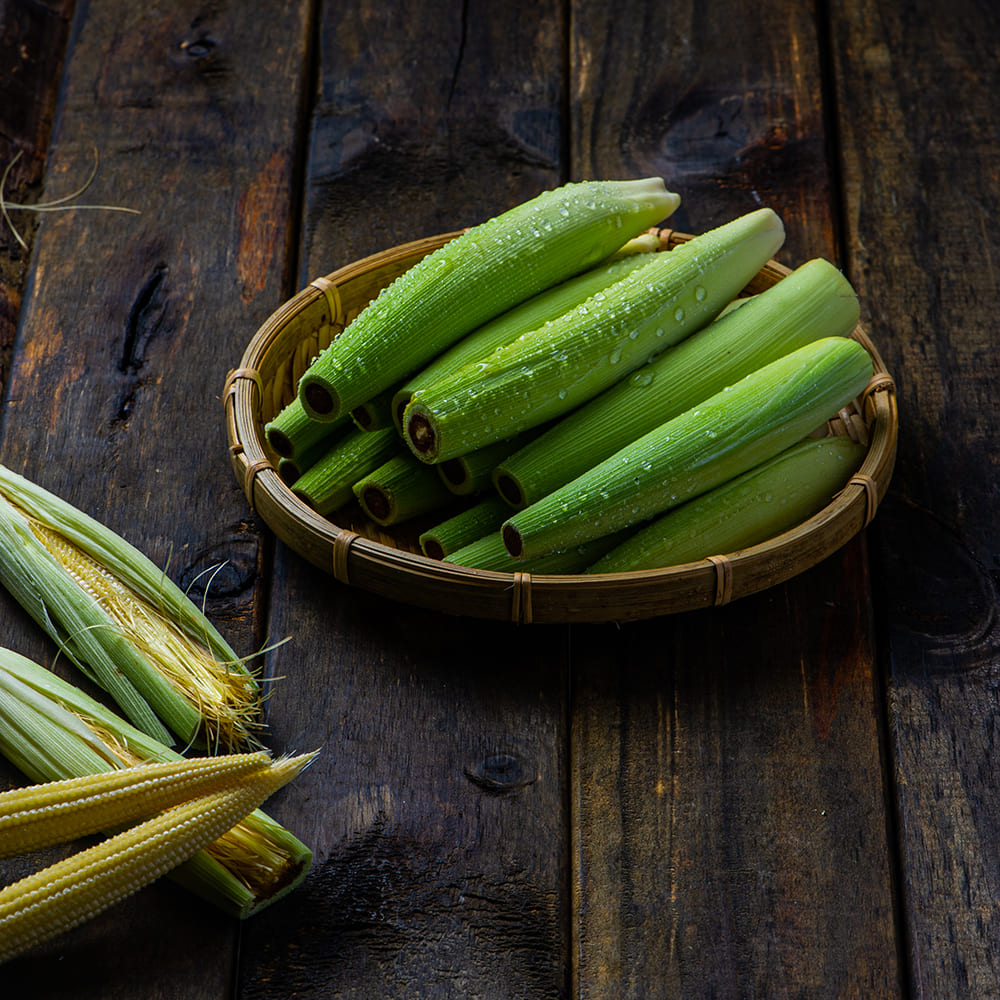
32 45
132 320
127 329
427 121
920 177
729 826
729 822
437 810
708 805
724 101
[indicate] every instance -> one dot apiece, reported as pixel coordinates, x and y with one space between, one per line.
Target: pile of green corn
560 395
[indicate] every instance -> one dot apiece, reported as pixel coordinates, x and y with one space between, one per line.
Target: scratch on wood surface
261 208
461 52
144 315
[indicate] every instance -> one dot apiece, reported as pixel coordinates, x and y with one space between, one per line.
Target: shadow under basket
389 563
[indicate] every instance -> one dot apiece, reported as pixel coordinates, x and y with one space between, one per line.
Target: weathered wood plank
723 102
921 181
731 837
729 828
128 329
427 120
437 809
32 45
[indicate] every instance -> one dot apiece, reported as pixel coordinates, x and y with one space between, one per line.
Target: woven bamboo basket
389 563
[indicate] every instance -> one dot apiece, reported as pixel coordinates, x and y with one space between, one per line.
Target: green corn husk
761 504
464 528
814 301
288 471
523 318
548 372
489 553
329 482
400 490
51 730
294 434
722 437
293 468
122 621
475 277
472 473
376 413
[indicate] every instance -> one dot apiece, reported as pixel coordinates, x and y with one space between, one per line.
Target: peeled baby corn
56 812
761 504
814 301
547 372
722 437
69 892
480 274
122 621
51 730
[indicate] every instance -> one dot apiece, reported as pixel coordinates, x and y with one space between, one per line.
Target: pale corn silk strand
225 698
66 894
247 851
55 812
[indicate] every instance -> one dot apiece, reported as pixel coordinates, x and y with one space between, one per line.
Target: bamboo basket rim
266 377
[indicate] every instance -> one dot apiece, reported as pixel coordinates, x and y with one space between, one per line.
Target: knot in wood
499 773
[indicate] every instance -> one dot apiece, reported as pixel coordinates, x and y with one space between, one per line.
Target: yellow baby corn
56 812
120 619
71 891
51 730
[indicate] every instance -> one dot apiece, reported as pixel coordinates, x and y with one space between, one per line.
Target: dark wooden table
790 796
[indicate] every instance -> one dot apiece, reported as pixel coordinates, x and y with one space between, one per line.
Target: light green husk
122 621
401 489
814 301
329 482
462 529
761 504
549 371
375 413
722 437
536 312
489 553
472 473
51 730
475 277
294 434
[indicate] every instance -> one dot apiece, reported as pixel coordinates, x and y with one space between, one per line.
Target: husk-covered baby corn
51 730
118 617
